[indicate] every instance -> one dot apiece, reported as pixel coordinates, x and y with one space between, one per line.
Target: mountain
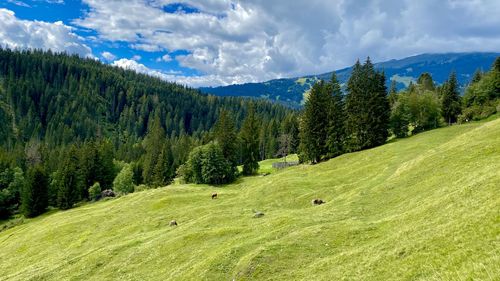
290 91
422 208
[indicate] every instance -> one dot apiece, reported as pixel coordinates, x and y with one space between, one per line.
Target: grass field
421 208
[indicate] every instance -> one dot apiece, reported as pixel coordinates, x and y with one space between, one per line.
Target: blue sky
219 42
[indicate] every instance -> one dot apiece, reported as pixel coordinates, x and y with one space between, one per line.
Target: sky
221 42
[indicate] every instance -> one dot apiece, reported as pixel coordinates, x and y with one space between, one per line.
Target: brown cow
317 201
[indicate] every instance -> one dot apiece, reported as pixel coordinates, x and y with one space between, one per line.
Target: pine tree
367 108
69 180
336 119
496 65
225 135
450 102
393 93
477 76
153 145
163 172
34 197
314 124
250 142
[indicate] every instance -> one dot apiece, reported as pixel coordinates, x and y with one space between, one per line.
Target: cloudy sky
220 42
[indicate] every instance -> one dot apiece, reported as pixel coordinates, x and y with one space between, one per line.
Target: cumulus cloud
173 76
255 40
108 56
165 58
58 37
136 58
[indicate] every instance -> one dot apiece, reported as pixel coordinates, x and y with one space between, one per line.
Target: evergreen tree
336 119
496 65
450 102
225 135
367 108
153 144
34 196
315 123
69 180
393 93
477 76
250 142
163 172
290 126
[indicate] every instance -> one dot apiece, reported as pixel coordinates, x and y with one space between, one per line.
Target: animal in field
214 195
173 223
317 201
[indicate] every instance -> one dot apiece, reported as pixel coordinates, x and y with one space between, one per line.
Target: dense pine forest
76 130
69 123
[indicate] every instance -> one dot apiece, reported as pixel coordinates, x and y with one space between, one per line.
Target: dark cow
214 195
317 201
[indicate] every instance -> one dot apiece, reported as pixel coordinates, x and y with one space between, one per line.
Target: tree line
363 116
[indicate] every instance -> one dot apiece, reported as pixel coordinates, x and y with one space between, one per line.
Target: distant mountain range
291 91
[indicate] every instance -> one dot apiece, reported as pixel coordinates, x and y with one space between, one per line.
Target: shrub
140 187
95 191
124 181
206 164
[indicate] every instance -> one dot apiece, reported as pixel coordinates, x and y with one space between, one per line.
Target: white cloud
165 58
176 76
58 37
136 58
108 56
255 40
19 3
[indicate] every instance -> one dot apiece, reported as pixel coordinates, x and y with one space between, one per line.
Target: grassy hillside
422 208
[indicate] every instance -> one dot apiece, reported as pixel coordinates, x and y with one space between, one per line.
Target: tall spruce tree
315 123
250 142
450 102
153 144
336 119
393 93
226 137
164 169
367 108
34 194
69 180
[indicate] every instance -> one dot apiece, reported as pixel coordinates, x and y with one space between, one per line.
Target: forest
76 130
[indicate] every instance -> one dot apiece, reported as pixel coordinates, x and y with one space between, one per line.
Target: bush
206 164
124 181
95 191
140 187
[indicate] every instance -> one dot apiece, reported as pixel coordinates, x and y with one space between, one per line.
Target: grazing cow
214 195
173 223
317 202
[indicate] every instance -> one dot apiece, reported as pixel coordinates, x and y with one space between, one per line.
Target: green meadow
422 208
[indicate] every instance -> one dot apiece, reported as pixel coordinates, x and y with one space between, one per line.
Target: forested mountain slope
61 99
419 208
291 91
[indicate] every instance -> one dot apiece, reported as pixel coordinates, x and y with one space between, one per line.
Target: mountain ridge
291 91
